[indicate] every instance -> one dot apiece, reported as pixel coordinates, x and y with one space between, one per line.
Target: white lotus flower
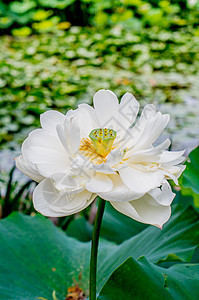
96 151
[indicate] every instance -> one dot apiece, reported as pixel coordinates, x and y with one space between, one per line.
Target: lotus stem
94 250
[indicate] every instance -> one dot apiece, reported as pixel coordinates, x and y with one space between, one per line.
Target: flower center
102 140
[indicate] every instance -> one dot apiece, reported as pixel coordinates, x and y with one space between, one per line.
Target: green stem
94 249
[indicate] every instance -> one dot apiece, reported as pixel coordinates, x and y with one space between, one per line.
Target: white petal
120 192
106 108
62 132
127 209
99 183
41 138
103 168
66 182
181 169
69 134
80 166
115 157
152 131
128 110
28 169
46 151
134 134
147 155
49 202
50 119
163 195
163 145
174 172
140 181
172 157
74 135
145 210
87 119
148 128
49 168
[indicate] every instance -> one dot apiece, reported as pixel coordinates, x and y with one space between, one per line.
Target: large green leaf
37 258
143 280
191 174
115 227
176 241
80 229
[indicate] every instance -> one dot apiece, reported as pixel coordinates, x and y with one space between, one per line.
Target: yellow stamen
87 149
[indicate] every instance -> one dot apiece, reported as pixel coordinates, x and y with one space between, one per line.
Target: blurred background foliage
134 14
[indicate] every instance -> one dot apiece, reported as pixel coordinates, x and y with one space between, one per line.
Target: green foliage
143 280
127 13
46 25
63 69
38 258
41 15
115 227
16 198
191 174
22 7
80 229
23 31
176 242
56 3
147 48
189 180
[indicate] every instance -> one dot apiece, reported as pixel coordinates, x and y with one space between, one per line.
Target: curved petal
99 183
28 169
163 194
145 155
106 108
172 157
145 210
128 110
67 182
152 154
127 209
148 128
174 172
45 151
50 119
87 119
49 202
164 145
120 192
115 157
141 181
104 168
134 134
64 138
69 134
